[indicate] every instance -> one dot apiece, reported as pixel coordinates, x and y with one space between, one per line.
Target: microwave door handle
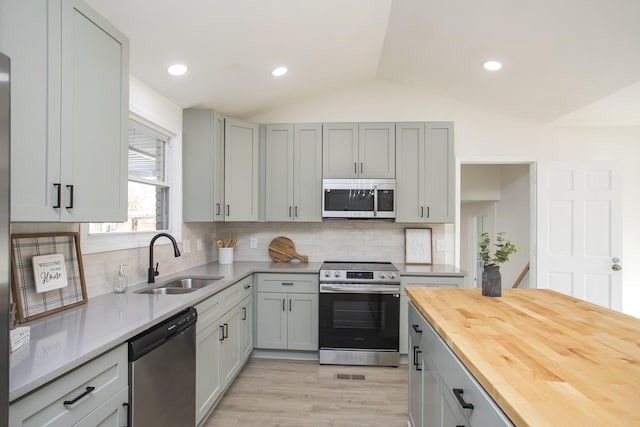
375 200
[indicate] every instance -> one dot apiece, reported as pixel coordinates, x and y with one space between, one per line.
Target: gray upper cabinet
425 172
202 166
293 163
359 150
70 86
241 170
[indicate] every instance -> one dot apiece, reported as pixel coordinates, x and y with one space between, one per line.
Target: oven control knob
336 274
327 274
392 276
381 275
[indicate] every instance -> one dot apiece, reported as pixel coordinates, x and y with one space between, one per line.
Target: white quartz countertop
67 339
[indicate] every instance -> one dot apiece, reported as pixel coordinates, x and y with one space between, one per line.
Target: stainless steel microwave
358 198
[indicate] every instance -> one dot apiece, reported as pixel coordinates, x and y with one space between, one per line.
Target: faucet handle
156 272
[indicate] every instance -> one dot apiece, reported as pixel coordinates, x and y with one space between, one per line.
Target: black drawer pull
70 205
221 334
80 396
459 392
58 198
244 313
418 365
247 286
287 283
416 329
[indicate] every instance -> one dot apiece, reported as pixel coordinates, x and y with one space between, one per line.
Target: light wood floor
271 392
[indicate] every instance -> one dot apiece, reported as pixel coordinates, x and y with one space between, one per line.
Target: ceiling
564 62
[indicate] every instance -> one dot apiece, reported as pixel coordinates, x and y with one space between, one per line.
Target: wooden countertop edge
541 405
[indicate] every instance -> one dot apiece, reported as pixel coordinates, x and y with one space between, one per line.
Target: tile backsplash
350 240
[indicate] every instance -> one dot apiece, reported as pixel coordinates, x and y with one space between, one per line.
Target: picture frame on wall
55 260
418 246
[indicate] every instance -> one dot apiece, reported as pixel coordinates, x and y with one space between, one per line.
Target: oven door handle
358 289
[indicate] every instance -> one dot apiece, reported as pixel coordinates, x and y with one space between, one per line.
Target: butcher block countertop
547 359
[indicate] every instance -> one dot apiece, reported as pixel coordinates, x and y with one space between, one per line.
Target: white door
580 230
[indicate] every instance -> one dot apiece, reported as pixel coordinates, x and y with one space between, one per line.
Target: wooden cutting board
282 249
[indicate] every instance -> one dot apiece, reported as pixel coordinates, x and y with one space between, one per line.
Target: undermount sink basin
181 285
167 291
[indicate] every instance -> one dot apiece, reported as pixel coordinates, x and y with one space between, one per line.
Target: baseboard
285 354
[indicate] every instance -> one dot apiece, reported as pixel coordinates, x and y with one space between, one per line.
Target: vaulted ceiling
569 61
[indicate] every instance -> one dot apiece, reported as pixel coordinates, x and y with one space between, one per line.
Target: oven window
348 200
359 321
358 315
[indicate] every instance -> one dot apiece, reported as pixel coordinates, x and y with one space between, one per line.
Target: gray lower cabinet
69 112
293 164
437 281
365 150
425 172
287 312
442 392
99 390
223 342
202 165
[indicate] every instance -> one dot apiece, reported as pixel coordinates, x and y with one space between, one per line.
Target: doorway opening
496 196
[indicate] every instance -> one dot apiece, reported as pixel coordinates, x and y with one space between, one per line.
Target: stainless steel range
359 313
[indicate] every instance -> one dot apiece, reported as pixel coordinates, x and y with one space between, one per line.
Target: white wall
479 183
481 134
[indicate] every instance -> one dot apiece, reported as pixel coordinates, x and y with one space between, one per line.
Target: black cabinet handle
416 353
287 283
225 330
428 212
80 396
221 332
283 309
418 365
289 211
247 286
244 313
57 205
126 405
228 210
70 205
416 329
355 168
361 167
296 212
217 208
458 392
421 211
289 305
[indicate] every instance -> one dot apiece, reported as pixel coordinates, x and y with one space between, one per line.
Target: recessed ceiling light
279 71
492 65
177 69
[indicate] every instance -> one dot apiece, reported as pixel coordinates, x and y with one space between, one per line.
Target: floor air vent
350 377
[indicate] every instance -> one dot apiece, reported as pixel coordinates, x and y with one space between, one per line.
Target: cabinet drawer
209 311
455 375
46 407
235 293
298 283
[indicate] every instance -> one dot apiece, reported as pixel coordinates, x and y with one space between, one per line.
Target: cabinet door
449 407
202 165
35 115
415 357
410 172
340 150
439 164
241 154
377 150
230 346
113 413
302 322
94 119
307 173
272 320
246 327
279 153
431 412
208 386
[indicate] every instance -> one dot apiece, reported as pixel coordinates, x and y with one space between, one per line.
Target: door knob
616 267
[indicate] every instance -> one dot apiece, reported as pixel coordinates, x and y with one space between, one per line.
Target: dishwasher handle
157 335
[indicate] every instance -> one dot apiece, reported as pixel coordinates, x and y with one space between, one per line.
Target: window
149 188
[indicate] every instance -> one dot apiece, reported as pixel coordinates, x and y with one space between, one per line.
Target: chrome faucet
151 278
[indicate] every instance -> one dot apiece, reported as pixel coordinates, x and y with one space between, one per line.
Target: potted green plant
491 278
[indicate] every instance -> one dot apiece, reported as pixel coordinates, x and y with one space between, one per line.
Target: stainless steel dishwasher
162 373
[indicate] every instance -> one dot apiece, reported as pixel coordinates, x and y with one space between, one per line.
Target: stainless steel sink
167 291
181 285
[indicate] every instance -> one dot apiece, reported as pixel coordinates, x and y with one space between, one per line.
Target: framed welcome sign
47 274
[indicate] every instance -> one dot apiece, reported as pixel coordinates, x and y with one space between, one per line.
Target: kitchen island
545 358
